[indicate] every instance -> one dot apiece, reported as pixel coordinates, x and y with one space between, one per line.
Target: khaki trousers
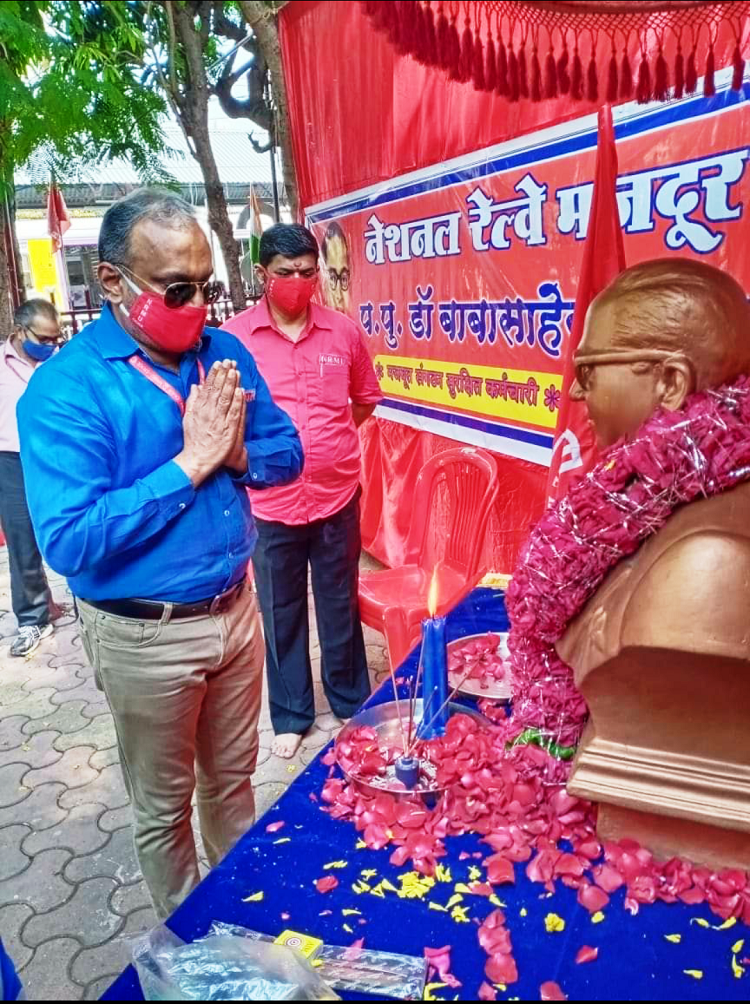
186 697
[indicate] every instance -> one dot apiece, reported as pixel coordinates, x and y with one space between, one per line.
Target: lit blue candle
434 679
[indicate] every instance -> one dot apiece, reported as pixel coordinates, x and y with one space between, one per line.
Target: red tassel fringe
523 72
406 41
466 65
643 92
679 74
490 66
739 69
454 52
661 78
536 77
613 79
576 77
430 38
433 39
593 78
478 73
691 75
550 76
503 84
442 31
709 82
563 75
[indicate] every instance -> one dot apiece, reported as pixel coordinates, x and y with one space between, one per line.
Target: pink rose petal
551 992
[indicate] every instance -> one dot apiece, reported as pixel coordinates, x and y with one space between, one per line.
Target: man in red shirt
317 367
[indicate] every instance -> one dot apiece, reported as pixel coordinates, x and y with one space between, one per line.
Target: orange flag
58 220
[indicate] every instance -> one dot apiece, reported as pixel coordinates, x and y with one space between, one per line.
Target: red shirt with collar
314 380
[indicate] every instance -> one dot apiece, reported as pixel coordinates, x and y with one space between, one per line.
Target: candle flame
432 599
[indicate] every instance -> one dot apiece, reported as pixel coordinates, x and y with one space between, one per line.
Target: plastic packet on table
224 966
354 970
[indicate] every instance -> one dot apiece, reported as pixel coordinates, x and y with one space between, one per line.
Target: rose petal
551 992
501 969
275 827
592 898
487 993
327 884
587 954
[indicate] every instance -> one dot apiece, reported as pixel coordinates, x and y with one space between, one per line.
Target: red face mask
172 329
291 294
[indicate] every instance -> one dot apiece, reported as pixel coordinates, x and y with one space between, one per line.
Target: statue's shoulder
695 593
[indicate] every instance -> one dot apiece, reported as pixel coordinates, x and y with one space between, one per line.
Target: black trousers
331 547
29 591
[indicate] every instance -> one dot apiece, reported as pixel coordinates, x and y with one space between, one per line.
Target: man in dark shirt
138 441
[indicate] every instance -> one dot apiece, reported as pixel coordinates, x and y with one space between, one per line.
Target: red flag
603 259
58 220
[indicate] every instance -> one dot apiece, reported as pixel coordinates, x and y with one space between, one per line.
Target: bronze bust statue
661 652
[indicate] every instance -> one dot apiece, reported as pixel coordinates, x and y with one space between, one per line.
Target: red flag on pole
603 259
58 220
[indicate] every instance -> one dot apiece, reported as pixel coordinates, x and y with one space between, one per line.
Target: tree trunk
192 102
263 22
6 298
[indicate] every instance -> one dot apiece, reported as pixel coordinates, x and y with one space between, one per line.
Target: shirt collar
259 316
115 343
10 350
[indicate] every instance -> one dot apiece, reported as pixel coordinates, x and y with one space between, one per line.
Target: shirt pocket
334 380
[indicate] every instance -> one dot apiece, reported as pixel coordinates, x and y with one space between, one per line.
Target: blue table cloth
636 961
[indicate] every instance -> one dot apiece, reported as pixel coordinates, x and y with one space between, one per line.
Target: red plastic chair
395 601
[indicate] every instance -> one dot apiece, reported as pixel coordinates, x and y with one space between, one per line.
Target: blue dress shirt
111 509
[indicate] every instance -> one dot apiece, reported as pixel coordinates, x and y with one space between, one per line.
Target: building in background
242 169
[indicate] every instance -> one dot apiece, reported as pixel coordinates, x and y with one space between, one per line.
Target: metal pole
275 182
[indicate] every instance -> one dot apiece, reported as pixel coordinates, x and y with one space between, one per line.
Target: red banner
464 271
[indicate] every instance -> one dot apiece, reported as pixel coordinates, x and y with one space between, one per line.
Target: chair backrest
453 497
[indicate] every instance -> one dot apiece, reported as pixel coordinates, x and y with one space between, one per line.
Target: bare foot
286 745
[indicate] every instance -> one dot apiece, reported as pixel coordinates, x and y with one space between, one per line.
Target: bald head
683 306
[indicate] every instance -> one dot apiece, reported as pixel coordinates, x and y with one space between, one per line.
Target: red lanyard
157 380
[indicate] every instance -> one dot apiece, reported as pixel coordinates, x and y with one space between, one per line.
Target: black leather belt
151 610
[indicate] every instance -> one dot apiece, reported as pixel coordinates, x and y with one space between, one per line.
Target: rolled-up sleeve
69 461
274 451
364 388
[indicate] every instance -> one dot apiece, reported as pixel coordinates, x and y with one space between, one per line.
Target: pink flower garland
676 458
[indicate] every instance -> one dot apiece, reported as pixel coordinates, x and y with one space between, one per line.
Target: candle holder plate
496 690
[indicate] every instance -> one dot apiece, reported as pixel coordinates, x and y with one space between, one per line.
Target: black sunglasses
179 294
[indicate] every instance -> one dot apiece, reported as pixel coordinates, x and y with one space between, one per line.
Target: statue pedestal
674 804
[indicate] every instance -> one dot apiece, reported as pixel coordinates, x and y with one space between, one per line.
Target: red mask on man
173 329
291 294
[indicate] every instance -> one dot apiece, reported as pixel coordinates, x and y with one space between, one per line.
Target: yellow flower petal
726 925
737 969
438 907
335 864
283 840
455 900
523 912
388 886
475 874
429 991
674 938
368 873
699 921
554 924
697 974
349 930
738 946
460 915
443 874
257 897
351 913
598 917
496 901
461 887
378 891
360 845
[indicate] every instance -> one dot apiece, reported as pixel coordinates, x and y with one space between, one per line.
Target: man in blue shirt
138 441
